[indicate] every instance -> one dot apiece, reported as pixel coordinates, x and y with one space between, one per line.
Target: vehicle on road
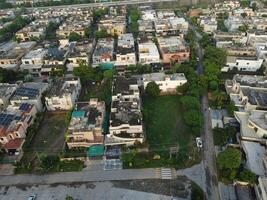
32 197
197 58
199 142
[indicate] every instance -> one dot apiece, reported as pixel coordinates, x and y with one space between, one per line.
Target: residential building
6 91
63 94
261 51
148 53
114 25
166 83
54 60
125 54
146 27
74 25
80 54
251 64
34 30
247 91
14 122
126 127
30 93
173 49
12 52
209 24
34 61
103 54
233 23
86 124
261 188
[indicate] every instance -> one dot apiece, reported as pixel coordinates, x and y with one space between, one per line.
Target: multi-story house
11 54
113 25
126 127
125 50
6 91
14 122
103 54
63 94
34 61
251 64
166 83
148 53
86 124
30 93
173 49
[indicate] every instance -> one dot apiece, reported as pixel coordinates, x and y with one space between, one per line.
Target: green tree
192 117
69 198
254 6
152 89
243 28
101 34
108 74
48 162
244 15
182 89
73 36
87 73
190 102
248 176
229 159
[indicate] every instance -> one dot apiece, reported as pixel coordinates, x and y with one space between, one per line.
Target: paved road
78 177
105 4
195 173
212 191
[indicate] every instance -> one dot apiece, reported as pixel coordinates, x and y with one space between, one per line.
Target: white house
166 83
251 64
63 94
148 53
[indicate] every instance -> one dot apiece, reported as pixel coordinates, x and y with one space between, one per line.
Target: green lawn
164 122
165 128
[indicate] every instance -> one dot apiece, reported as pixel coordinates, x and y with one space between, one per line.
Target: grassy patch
165 128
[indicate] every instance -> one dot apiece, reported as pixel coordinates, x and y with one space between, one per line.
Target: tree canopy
152 89
229 159
73 36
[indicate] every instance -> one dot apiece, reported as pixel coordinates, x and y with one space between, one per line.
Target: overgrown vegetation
222 136
9 31
134 15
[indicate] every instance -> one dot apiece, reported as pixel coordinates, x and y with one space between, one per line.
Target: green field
164 122
165 128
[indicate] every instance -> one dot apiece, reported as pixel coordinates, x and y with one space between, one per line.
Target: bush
248 176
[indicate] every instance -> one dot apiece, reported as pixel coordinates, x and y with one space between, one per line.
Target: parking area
108 190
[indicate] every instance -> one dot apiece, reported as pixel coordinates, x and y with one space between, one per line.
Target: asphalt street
78 177
209 160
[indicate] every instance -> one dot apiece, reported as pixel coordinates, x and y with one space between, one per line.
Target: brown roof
14 144
3 132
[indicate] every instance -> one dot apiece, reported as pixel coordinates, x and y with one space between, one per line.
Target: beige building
86 125
173 49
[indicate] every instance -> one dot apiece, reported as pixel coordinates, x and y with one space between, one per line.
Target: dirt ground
50 137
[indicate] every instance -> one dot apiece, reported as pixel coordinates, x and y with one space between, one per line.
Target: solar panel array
24 106
6 119
27 92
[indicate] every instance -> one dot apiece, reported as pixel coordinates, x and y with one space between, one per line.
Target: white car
197 58
199 142
32 197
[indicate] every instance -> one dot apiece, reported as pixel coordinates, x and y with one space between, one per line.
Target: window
2 139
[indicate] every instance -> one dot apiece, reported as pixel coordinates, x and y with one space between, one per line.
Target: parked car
32 197
199 142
